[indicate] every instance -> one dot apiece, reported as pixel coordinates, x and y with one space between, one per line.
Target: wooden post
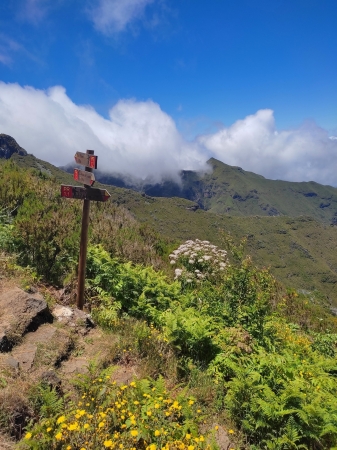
83 246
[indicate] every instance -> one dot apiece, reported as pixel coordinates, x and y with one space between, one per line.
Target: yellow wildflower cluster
295 340
136 415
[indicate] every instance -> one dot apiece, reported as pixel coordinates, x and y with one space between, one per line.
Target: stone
25 355
72 317
20 312
46 345
10 362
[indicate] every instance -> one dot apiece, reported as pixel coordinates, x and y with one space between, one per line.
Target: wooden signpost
84 177
81 193
86 193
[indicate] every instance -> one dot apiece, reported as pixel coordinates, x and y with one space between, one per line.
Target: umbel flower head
198 260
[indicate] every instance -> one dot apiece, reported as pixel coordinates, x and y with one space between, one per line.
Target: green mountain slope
234 191
301 251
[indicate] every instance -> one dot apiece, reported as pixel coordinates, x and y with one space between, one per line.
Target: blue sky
253 83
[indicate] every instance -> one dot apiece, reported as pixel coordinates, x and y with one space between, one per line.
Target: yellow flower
108 443
216 427
61 419
86 426
123 387
190 447
133 384
157 433
49 429
188 436
231 431
149 413
136 402
201 438
58 436
73 426
152 447
28 435
69 447
191 402
157 405
101 424
134 433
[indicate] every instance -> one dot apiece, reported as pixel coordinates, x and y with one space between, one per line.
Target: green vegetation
232 190
223 336
137 415
300 251
275 379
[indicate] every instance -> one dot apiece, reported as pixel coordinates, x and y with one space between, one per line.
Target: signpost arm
83 246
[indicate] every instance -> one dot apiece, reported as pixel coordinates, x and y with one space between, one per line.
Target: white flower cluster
199 259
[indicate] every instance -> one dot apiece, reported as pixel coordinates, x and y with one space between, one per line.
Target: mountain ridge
230 190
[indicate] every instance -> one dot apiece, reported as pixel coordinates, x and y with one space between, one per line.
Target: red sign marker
84 177
86 160
81 193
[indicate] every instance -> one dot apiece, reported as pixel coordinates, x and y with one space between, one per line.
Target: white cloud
113 16
139 139
301 154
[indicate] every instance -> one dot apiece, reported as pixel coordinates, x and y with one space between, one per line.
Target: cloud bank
303 154
138 139
141 140
113 16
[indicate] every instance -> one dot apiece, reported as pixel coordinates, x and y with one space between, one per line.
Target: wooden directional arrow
81 193
86 193
86 159
84 177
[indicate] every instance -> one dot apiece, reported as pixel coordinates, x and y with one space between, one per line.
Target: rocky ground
42 343
52 344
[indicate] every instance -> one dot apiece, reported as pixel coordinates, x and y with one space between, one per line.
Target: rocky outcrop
33 337
8 146
20 312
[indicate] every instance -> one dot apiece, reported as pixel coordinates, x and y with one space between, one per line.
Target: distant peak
8 146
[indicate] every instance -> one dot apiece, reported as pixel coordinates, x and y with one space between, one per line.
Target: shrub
138 415
199 260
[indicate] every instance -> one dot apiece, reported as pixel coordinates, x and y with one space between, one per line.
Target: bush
138 415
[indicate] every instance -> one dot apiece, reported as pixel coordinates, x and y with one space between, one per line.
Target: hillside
186 345
233 191
301 251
